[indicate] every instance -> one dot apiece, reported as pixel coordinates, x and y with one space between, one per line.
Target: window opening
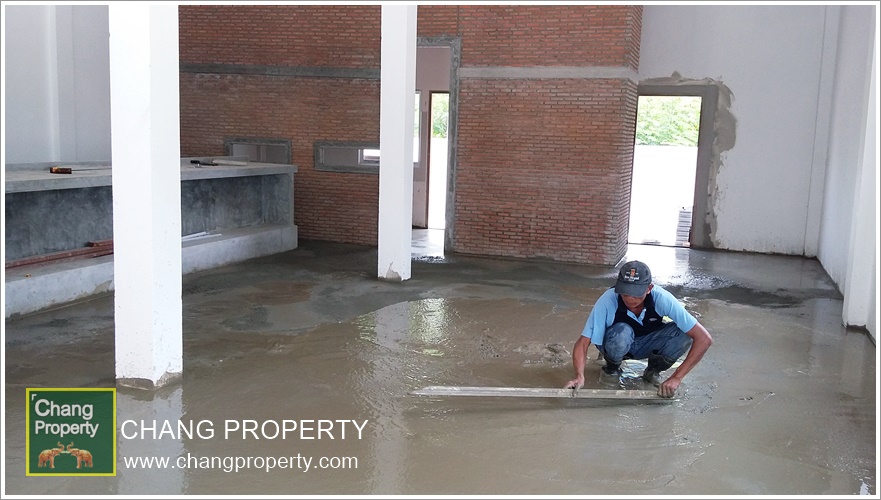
261 150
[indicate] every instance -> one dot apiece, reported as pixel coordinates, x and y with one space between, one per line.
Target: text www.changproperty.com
235 464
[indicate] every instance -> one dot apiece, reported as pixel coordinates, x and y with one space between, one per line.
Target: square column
145 143
397 88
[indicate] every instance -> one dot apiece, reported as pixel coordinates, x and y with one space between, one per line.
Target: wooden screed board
540 392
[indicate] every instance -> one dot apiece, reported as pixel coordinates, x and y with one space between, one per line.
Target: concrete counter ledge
189 171
27 177
244 210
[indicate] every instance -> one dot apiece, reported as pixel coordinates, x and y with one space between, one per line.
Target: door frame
455 45
709 94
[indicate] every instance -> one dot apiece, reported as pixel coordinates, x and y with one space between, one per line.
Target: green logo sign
71 432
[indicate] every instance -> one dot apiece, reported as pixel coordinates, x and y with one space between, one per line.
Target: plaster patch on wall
724 135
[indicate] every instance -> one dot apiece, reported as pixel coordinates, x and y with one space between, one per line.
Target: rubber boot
611 373
656 365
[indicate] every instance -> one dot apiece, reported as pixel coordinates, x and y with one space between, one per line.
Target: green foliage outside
668 120
440 110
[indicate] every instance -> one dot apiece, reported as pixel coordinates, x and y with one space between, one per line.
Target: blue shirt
603 314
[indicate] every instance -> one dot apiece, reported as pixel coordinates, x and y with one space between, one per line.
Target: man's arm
600 317
579 358
701 341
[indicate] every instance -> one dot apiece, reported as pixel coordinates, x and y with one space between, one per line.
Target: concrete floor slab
784 403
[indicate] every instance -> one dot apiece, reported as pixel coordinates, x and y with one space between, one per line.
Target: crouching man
637 320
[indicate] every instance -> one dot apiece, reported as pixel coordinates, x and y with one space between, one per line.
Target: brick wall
541 168
437 20
304 35
543 164
545 35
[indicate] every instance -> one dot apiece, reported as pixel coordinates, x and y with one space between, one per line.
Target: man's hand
668 388
579 357
576 383
701 342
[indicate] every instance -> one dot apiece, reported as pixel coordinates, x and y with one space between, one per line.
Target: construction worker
638 320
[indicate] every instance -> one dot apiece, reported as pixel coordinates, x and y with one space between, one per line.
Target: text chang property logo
71 432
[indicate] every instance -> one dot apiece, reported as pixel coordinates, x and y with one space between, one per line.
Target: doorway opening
699 235
437 160
437 61
429 241
662 197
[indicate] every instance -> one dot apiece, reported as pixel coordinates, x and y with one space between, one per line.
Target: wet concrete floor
784 403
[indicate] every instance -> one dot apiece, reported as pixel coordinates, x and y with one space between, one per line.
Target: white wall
31 96
57 83
799 78
846 138
769 57
91 77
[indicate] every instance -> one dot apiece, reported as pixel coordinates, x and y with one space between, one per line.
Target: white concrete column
145 143
860 287
398 88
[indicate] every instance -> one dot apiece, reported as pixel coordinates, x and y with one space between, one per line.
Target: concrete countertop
189 171
27 177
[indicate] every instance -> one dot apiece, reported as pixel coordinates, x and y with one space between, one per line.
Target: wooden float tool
540 392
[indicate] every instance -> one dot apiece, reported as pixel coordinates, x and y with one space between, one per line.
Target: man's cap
634 279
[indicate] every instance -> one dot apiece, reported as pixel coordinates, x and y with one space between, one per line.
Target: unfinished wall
546 111
769 61
798 79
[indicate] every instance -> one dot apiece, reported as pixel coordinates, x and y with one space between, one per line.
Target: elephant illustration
48 456
82 457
